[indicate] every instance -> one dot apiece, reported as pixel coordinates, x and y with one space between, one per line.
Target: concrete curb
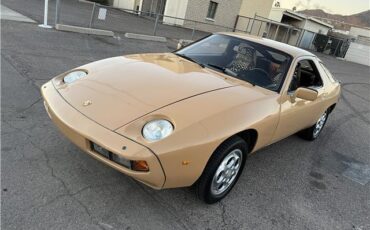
145 37
88 2
84 30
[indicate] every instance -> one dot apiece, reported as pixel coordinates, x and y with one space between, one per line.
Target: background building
308 25
128 4
362 35
359 51
221 13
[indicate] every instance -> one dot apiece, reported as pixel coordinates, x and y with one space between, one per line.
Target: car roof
292 50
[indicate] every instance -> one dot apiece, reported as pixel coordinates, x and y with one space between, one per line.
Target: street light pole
46 7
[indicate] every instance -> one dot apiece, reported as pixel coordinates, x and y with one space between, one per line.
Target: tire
313 132
225 163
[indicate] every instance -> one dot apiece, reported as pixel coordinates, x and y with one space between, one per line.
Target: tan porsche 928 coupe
192 116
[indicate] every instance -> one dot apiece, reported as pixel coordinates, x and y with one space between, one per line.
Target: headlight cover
157 130
74 76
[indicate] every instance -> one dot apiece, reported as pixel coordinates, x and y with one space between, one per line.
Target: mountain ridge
339 21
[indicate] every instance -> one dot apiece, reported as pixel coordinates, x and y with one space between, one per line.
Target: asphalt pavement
78 13
48 183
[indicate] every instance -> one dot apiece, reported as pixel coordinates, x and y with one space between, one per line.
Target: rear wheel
222 170
314 131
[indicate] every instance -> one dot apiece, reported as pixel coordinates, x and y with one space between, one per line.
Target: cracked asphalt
48 183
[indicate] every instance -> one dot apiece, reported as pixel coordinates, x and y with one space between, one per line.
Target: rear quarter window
327 73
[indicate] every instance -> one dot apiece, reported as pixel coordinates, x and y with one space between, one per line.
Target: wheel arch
250 136
332 107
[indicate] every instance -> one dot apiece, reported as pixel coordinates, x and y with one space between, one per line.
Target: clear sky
344 7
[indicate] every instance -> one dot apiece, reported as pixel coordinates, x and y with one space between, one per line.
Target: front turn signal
140 165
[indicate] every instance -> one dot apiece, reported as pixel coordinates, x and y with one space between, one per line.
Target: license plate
102 151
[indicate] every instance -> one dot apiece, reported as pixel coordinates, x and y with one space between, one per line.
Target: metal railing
94 15
261 26
134 21
330 45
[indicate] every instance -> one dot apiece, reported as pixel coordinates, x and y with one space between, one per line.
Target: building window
212 10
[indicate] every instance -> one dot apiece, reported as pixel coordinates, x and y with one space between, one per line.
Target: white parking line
8 14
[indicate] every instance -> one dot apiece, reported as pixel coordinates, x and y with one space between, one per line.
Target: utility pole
46 8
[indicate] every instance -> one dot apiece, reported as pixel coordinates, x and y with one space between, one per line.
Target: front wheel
314 131
222 170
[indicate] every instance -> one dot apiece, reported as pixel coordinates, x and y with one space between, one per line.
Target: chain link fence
97 16
260 26
120 21
330 45
289 34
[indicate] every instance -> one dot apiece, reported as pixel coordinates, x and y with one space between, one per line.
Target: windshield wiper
223 69
190 59
229 72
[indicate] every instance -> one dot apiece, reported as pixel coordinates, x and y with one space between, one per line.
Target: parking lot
48 183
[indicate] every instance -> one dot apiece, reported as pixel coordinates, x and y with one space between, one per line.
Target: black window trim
289 64
315 67
212 14
329 75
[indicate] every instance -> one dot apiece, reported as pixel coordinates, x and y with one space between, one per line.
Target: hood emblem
87 103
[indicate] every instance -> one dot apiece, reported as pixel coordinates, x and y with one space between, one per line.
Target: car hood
119 90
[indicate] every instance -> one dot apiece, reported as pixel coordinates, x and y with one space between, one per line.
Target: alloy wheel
319 124
227 172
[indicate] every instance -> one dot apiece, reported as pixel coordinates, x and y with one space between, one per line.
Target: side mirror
306 94
179 46
182 43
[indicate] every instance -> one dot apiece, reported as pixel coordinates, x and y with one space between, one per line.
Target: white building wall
249 8
124 4
276 14
358 53
316 27
355 31
227 11
175 8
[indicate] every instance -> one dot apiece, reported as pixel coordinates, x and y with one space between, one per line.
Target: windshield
251 62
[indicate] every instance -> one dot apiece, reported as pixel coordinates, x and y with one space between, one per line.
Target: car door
295 113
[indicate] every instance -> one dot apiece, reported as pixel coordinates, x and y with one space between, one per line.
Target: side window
305 75
327 72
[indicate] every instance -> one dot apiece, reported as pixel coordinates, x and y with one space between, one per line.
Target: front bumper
82 131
